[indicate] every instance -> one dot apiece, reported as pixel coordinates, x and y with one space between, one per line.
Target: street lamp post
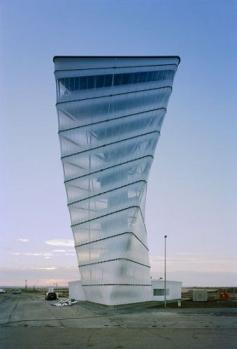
165 237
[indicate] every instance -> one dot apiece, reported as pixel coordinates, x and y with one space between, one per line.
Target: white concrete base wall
118 294
76 290
124 294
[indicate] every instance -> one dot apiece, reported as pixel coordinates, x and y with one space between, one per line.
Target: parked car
51 296
2 290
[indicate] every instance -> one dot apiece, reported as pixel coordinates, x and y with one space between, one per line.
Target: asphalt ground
28 321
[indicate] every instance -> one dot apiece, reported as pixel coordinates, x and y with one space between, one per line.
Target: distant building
173 290
110 113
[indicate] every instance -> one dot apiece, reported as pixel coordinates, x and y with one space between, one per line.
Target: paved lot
27 321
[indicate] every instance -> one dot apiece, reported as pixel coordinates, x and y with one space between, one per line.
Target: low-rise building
173 290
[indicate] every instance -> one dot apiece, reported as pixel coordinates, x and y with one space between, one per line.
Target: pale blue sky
192 189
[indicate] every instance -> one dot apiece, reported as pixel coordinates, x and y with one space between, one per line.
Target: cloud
38 276
68 252
46 255
23 240
60 242
32 254
194 262
46 268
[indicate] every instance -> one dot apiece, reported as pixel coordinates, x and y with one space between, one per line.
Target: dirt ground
28 321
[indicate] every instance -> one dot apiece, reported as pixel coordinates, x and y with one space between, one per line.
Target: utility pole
165 237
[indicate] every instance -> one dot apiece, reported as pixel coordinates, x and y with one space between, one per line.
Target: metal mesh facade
110 112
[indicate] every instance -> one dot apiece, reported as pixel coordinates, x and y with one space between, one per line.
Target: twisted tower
110 112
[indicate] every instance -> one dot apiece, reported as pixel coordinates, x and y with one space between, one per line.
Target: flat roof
59 57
